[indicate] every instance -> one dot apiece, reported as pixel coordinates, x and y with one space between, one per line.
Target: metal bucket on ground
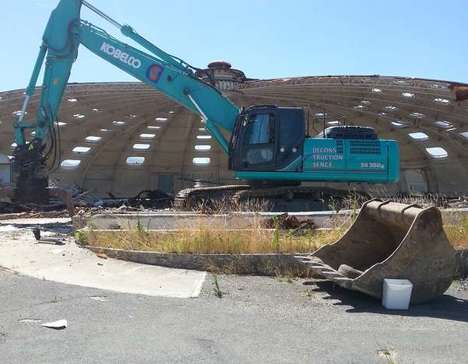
390 240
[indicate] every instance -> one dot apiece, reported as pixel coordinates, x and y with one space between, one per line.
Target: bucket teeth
319 267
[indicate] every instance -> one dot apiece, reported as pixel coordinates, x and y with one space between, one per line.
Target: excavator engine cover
390 240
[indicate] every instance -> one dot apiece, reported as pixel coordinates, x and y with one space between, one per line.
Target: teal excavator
268 145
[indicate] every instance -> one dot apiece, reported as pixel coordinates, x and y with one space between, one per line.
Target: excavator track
201 197
266 198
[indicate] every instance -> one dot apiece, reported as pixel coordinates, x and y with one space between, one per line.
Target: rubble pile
289 222
68 201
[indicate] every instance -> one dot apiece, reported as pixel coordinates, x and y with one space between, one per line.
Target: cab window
260 129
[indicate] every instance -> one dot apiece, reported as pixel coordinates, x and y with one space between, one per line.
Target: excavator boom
64 33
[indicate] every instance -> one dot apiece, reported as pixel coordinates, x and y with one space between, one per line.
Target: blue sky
264 38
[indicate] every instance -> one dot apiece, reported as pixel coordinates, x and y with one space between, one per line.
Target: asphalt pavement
257 320
128 313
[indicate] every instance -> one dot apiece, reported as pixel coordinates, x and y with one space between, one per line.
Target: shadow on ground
446 307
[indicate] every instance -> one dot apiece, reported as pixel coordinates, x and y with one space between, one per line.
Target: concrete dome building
126 137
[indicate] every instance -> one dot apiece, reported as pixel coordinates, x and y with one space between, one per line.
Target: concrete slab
175 220
70 264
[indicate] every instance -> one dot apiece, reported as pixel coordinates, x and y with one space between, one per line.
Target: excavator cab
267 138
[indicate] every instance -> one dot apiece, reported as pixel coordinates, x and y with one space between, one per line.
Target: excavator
268 145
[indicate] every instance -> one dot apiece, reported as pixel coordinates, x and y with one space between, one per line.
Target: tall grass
204 236
457 230
209 241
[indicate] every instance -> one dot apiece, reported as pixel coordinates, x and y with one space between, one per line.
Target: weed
229 204
462 285
333 205
284 279
388 355
457 230
308 292
55 300
284 276
275 243
354 206
81 237
139 227
217 291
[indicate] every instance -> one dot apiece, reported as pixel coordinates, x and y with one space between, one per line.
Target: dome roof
126 137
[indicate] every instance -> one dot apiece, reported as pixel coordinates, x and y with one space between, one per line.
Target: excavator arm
64 33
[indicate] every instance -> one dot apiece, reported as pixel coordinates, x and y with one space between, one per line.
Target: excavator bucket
390 240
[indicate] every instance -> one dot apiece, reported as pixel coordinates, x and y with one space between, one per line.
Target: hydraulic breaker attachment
390 240
30 170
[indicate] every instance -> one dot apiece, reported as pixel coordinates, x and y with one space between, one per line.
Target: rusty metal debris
70 200
288 222
390 240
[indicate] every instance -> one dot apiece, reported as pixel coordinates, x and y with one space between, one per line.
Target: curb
256 264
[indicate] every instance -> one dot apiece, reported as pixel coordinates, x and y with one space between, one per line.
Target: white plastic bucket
396 294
